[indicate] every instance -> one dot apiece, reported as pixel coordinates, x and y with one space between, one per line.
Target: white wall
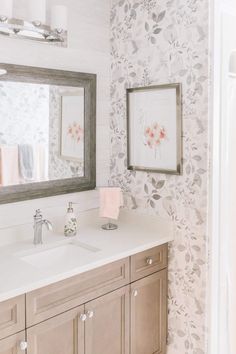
223 33
88 51
227 188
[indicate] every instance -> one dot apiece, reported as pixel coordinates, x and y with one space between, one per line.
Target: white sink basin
62 256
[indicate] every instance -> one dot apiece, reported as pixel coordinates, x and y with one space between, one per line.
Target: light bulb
6 7
37 11
59 17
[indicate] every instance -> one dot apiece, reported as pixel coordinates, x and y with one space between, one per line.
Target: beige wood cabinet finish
54 299
63 334
11 345
123 304
149 314
108 329
105 330
148 262
12 316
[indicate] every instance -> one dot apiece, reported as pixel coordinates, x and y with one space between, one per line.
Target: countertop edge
4 296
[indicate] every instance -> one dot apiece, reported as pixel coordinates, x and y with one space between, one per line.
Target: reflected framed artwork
154 129
72 125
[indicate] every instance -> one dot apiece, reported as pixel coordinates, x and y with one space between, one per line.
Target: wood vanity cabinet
49 301
148 308
99 327
12 316
63 334
149 314
151 261
120 308
12 344
108 329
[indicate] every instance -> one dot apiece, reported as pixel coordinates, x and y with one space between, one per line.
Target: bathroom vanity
113 302
101 292
106 310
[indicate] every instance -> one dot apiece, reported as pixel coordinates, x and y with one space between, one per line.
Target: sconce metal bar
17 28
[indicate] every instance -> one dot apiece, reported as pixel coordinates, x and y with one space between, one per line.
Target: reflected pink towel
9 165
111 199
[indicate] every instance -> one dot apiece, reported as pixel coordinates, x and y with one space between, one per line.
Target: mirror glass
47 132
41 132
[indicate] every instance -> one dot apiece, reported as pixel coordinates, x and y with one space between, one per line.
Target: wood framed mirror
47 132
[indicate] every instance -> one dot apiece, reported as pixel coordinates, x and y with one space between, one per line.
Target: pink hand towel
9 165
111 199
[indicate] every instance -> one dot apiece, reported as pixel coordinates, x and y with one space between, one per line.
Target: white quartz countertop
136 233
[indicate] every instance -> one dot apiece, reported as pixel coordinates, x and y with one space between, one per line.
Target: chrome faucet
38 227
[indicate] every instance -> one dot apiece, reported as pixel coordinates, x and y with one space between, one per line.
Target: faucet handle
38 213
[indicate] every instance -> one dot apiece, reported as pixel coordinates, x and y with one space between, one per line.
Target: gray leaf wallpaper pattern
156 42
18 100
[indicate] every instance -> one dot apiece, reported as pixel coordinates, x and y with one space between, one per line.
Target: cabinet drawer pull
149 261
90 314
83 317
135 293
23 345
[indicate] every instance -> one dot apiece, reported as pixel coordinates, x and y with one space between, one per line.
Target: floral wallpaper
24 113
161 41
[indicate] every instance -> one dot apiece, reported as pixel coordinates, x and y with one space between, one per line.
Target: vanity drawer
64 295
148 262
12 316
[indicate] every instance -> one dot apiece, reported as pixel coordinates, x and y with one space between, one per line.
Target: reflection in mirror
41 132
72 125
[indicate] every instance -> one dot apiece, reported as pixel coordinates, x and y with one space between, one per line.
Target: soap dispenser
71 222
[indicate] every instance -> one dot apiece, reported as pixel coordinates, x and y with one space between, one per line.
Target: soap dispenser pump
71 222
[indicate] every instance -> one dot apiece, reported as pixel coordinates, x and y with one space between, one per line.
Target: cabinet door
149 314
14 344
12 316
107 324
63 334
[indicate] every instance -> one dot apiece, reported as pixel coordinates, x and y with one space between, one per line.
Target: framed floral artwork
154 126
72 126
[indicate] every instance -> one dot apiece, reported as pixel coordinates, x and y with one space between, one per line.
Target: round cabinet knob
83 317
149 261
23 345
90 314
135 293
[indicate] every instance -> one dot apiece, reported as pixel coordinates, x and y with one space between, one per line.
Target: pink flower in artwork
75 132
162 133
154 135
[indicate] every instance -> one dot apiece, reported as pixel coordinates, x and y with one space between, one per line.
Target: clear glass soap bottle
71 224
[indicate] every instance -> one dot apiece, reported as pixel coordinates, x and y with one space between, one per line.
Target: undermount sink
61 256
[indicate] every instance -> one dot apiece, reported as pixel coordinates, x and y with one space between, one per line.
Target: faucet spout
48 224
38 227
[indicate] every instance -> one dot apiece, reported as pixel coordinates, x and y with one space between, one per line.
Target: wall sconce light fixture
35 28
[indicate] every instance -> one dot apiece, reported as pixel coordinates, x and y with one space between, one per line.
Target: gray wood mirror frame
63 79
